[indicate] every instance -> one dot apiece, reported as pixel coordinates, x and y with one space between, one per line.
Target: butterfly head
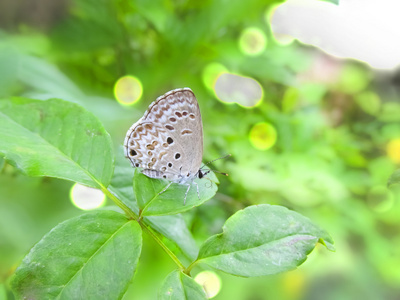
201 173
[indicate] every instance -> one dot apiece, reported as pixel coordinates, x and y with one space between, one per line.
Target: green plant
96 254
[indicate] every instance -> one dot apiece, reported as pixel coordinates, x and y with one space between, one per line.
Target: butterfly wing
169 137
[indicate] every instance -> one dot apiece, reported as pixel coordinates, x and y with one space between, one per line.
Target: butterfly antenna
223 157
209 170
222 173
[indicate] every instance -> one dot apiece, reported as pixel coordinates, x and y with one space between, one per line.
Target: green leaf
55 138
262 240
390 112
394 179
8 72
174 228
179 286
3 292
151 202
121 182
368 102
43 76
86 257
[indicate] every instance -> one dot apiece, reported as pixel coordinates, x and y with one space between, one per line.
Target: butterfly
167 142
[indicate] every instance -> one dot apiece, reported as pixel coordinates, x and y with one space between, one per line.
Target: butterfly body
167 142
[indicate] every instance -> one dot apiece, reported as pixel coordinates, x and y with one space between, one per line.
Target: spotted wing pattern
167 142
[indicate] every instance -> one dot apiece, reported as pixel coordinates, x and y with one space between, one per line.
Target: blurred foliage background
317 134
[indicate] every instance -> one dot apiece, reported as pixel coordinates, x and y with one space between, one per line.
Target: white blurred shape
365 30
210 282
86 198
234 88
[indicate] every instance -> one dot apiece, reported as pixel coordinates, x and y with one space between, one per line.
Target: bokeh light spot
210 74
263 136
245 91
127 90
252 41
393 150
86 198
210 282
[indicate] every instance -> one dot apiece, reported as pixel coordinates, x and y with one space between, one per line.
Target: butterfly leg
187 191
169 184
198 193
189 185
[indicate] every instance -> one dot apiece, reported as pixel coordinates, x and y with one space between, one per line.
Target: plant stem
120 204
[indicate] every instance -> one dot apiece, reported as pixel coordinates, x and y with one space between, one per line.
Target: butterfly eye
200 174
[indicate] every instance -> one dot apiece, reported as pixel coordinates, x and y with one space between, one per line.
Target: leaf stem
165 248
189 269
144 226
